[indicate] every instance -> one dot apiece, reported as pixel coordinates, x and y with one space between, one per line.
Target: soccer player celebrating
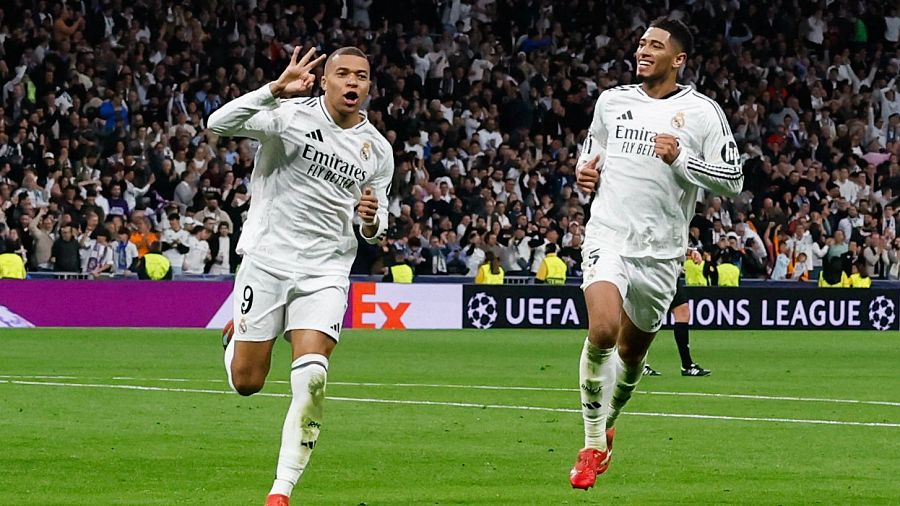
318 158
655 144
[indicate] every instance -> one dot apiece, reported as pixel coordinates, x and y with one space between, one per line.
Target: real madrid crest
243 326
678 120
366 151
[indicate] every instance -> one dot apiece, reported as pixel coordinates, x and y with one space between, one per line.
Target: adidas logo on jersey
336 327
316 134
627 115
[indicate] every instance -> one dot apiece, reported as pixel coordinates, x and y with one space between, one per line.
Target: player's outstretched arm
253 114
373 205
717 169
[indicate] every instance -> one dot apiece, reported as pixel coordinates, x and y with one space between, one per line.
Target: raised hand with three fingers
297 78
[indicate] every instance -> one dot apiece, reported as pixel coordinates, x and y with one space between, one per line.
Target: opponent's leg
309 373
682 315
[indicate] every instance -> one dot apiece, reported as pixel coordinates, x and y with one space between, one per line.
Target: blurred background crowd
104 149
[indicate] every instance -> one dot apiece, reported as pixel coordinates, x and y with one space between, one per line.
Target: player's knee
247 388
247 383
603 333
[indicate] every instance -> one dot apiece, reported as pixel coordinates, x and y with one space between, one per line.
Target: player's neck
344 121
660 88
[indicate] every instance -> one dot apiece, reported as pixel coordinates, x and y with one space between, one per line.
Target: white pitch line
501 388
648 392
459 404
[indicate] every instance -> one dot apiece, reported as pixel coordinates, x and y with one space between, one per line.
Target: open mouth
644 64
351 98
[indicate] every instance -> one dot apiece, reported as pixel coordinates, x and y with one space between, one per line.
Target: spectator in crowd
782 262
198 251
876 256
213 211
66 252
143 236
124 252
222 251
41 230
99 257
798 270
174 242
572 254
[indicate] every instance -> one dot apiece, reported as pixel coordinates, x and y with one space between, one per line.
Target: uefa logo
882 313
482 310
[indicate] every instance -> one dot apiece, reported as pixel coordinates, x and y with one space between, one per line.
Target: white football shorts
647 285
269 302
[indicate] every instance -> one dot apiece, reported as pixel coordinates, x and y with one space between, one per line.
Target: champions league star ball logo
882 313
482 310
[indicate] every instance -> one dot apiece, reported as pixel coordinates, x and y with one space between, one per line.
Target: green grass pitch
91 417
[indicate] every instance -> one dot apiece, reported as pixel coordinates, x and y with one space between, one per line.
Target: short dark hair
678 31
351 50
550 248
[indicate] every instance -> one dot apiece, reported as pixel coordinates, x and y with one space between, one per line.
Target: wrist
277 88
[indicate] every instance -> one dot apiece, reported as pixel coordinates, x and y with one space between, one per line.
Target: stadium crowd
104 150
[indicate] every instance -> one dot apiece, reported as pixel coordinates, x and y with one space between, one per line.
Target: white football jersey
308 177
643 205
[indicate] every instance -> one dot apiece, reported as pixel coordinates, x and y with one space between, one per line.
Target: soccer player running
318 158
654 144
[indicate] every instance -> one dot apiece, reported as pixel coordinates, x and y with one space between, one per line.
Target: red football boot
278 500
592 463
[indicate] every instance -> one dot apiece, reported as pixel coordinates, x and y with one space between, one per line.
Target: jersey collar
358 126
680 92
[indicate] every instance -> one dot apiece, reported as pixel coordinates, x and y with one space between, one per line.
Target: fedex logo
367 310
402 306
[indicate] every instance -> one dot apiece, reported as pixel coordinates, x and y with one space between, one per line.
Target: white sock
595 375
309 375
229 356
627 378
